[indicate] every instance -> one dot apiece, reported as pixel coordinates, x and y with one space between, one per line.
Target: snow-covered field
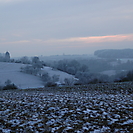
12 72
62 75
105 108
109 72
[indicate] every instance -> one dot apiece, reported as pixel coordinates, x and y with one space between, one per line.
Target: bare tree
69 81
8 82
55 78
25 60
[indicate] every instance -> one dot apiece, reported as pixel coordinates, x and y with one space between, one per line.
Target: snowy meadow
98 108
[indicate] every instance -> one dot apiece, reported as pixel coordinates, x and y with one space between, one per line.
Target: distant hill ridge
114 53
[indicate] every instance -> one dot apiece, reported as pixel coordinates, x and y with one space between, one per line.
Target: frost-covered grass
11 71
95 108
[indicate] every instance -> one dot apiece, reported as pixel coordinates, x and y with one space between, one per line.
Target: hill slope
12 72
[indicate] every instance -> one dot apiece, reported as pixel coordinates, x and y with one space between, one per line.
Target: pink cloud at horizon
99 39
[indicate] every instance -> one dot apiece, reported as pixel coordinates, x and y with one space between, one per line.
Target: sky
56 27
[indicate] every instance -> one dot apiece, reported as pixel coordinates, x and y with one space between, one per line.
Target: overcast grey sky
51 27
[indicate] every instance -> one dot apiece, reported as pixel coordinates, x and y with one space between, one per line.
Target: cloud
2 39
17 42
95 39
76 40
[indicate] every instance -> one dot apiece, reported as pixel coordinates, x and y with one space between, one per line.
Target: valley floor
99 108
